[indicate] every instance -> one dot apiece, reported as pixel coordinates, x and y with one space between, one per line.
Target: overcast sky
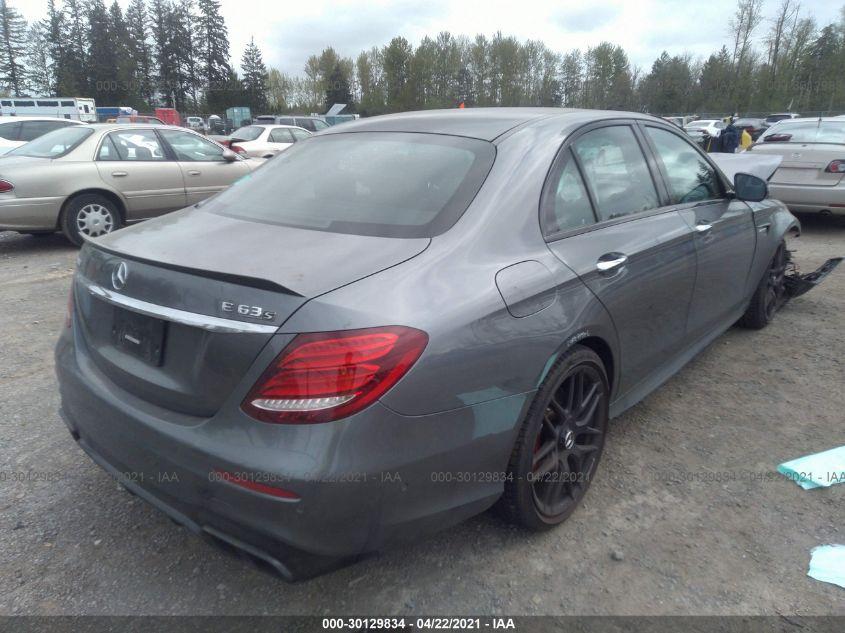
288 33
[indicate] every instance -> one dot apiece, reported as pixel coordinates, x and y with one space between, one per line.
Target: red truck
169 115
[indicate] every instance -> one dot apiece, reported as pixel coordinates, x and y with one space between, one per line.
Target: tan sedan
88 180
811 178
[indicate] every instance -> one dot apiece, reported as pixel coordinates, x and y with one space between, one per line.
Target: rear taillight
237 149
5 186
326 376
836 167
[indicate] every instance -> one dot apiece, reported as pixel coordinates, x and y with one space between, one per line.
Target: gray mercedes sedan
403 321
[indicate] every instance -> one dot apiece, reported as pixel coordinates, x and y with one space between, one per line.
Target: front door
724 230
204 169
133 162
637 256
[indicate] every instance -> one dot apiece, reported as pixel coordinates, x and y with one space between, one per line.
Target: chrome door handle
193 172
119 174
611 261
703 227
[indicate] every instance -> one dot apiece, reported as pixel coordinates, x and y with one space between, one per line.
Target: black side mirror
750 188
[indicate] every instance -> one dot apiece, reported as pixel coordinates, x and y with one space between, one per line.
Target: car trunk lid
804 163
177 322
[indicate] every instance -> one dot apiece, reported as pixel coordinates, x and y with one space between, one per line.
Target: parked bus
60 107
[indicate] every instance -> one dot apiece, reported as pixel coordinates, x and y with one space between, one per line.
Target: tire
91 215
559 444
769 295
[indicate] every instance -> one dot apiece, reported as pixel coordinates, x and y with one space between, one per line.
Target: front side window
299 135
568 205
137 145
616 172
690 178
191 147
385 184
56 143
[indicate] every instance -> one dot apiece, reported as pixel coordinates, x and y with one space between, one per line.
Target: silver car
811 177
88 180
446 319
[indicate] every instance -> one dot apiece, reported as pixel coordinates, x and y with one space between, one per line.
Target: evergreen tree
139 52
13 36
213 54
254 77
337 88
102 56
76 49
38 61
55 28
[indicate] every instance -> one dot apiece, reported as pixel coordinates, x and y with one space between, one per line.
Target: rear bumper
363 483
29 214
810 199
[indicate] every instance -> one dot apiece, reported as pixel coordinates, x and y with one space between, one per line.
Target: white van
72 108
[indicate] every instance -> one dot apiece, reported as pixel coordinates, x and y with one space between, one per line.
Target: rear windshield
248 133
54 144
376 183
807 132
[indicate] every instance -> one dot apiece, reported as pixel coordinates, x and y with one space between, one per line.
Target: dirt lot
686 515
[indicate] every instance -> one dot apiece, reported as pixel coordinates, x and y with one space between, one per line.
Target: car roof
11 119
128 125
483 123
812 119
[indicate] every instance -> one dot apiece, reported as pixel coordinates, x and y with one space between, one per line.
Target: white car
265 141
17 130
196 123
713 127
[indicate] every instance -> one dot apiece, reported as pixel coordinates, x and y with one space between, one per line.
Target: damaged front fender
796 284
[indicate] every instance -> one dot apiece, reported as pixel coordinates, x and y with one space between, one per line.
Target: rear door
134 162
604 217
204 169
724 229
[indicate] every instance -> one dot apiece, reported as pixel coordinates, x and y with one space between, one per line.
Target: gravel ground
686 515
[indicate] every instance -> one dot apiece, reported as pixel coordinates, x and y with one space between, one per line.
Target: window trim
558 165
664 177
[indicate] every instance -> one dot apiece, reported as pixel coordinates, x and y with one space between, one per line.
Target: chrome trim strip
210 323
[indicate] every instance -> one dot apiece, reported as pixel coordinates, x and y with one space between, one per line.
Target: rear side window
280 135
689 177
616 172
137 145
375 183
567 205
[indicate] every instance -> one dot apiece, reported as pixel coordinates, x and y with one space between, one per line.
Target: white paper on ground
817 471
827 563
